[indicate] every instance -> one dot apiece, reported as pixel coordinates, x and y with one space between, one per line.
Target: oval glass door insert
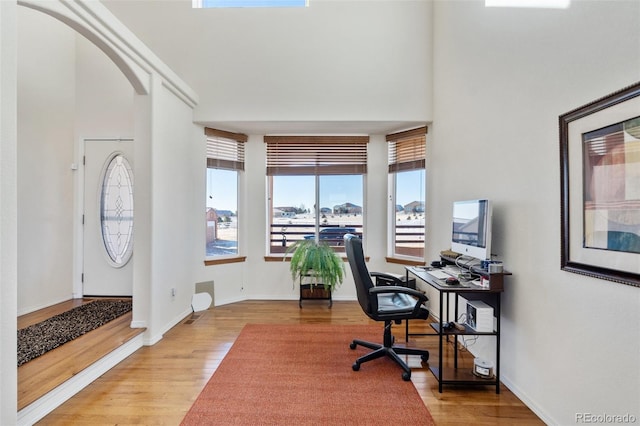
116 210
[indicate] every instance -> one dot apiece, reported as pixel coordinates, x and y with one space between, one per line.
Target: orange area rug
301 375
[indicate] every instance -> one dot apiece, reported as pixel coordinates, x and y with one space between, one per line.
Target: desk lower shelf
468 331
460 376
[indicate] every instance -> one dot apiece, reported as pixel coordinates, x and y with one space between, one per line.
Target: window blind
225 150
407 150
316 155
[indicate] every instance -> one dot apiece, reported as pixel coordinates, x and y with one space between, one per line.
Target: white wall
335 60
46 106
104 97
175 167
502 77
8 212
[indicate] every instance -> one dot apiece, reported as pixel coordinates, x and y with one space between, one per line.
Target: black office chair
384 303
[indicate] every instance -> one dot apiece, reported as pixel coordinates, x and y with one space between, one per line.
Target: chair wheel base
355 366
406 376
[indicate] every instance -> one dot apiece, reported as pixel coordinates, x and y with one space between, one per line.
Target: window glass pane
341 208
409 213
292 210
222 212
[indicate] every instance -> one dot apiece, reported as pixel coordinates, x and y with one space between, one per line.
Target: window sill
225 260
411 262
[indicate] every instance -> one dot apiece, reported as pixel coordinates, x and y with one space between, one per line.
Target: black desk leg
455 338
406 326
440 345
498 297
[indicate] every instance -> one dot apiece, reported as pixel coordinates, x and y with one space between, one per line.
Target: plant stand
314 292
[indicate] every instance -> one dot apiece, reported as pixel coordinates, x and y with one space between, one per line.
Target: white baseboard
222 302
544 416
29 309
53 399
152 340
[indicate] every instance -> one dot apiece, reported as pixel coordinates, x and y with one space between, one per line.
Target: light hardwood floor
42 374
157 384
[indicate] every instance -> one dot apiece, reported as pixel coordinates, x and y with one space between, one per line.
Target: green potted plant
317 261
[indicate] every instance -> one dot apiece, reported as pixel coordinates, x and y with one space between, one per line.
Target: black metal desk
491 296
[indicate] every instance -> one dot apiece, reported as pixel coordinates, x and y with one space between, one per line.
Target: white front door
108 218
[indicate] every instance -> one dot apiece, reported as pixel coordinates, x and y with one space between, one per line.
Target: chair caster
352 345
424 358
406 376
355 366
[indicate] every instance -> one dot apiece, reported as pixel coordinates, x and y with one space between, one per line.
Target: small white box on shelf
479 316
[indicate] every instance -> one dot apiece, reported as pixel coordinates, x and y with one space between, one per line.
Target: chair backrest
361 277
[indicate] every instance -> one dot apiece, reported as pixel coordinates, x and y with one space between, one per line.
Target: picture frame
600 188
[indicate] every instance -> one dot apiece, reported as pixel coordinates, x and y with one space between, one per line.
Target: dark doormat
38 339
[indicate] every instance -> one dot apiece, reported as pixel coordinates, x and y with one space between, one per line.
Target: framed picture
600 188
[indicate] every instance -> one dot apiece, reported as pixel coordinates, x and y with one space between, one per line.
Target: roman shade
225 150
407 150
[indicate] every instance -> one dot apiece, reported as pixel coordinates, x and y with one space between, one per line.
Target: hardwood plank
42 374
158 384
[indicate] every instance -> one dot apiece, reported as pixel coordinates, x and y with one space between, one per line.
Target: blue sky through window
294 191
297 191
249 3
410 186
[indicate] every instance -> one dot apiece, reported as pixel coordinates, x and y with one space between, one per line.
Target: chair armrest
421 297
397 289
390 277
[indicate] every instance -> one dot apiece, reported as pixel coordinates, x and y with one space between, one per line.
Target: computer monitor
471 228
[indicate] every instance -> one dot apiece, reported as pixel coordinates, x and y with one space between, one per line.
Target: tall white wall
8 212
46 106
501 79
104 97
335 60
